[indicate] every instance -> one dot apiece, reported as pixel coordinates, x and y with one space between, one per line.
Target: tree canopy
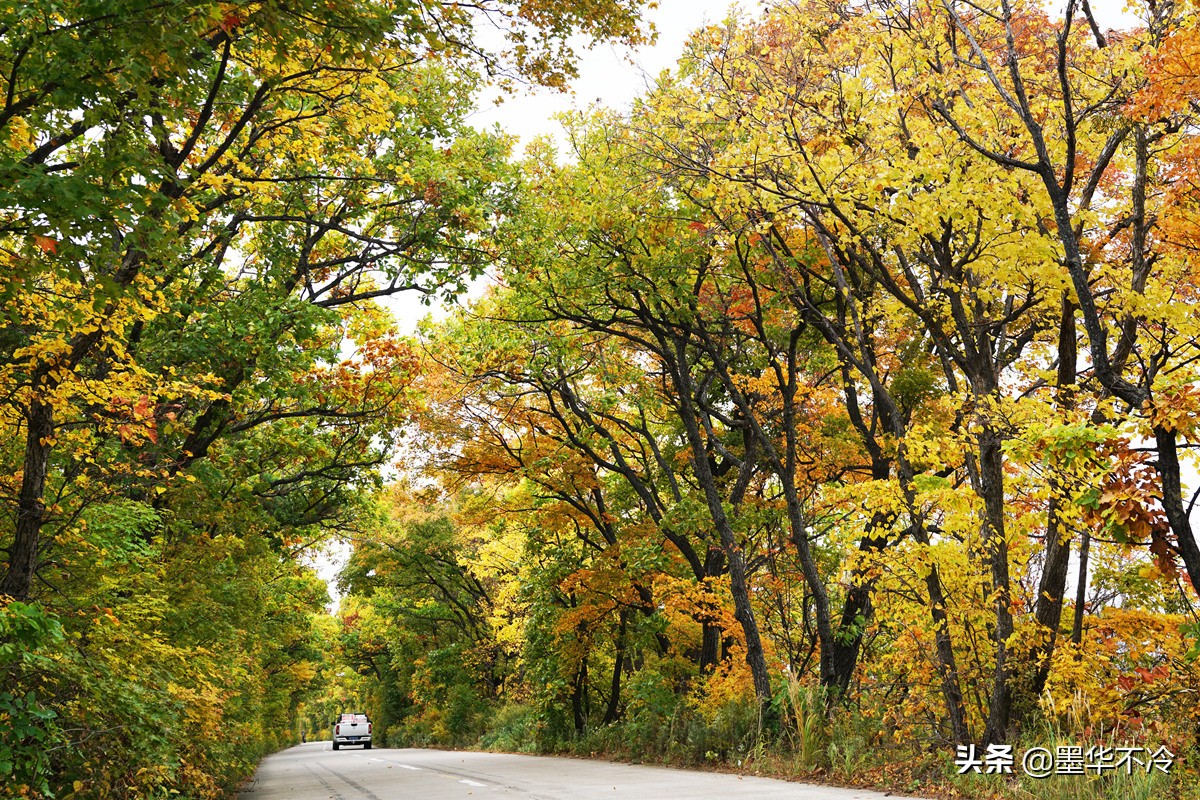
202 206
838 397
859 355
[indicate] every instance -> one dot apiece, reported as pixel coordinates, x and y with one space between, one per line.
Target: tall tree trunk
1052 587
845 648
956 712
856 609
31 508
710 645
784 468
579 697
952 695
991 480
710 627
1167 465
614 694
1081 589
743 611
812 578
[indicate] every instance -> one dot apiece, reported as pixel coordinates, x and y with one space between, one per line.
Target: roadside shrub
513 728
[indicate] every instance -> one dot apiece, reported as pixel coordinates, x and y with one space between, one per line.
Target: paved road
314 772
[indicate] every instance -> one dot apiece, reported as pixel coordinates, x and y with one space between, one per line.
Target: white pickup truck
352 729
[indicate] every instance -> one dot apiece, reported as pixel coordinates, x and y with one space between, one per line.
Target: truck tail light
337 730
368 727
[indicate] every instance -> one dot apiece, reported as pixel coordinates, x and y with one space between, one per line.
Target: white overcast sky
609 75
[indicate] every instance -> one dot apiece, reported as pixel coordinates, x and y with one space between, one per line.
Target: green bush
28 727
513 728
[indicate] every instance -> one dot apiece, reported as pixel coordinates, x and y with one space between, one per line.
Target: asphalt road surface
315 772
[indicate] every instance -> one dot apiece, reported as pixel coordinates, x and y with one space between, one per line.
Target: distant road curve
315 772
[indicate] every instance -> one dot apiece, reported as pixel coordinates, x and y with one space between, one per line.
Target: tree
573 413
202 204
153 151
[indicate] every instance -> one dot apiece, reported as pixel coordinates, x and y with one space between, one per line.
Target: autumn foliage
833 407
850 377
202 205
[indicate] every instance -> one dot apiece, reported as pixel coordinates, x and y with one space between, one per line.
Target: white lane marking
377 759
472 783
406 766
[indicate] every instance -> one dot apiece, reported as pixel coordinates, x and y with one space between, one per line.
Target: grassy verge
842 748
